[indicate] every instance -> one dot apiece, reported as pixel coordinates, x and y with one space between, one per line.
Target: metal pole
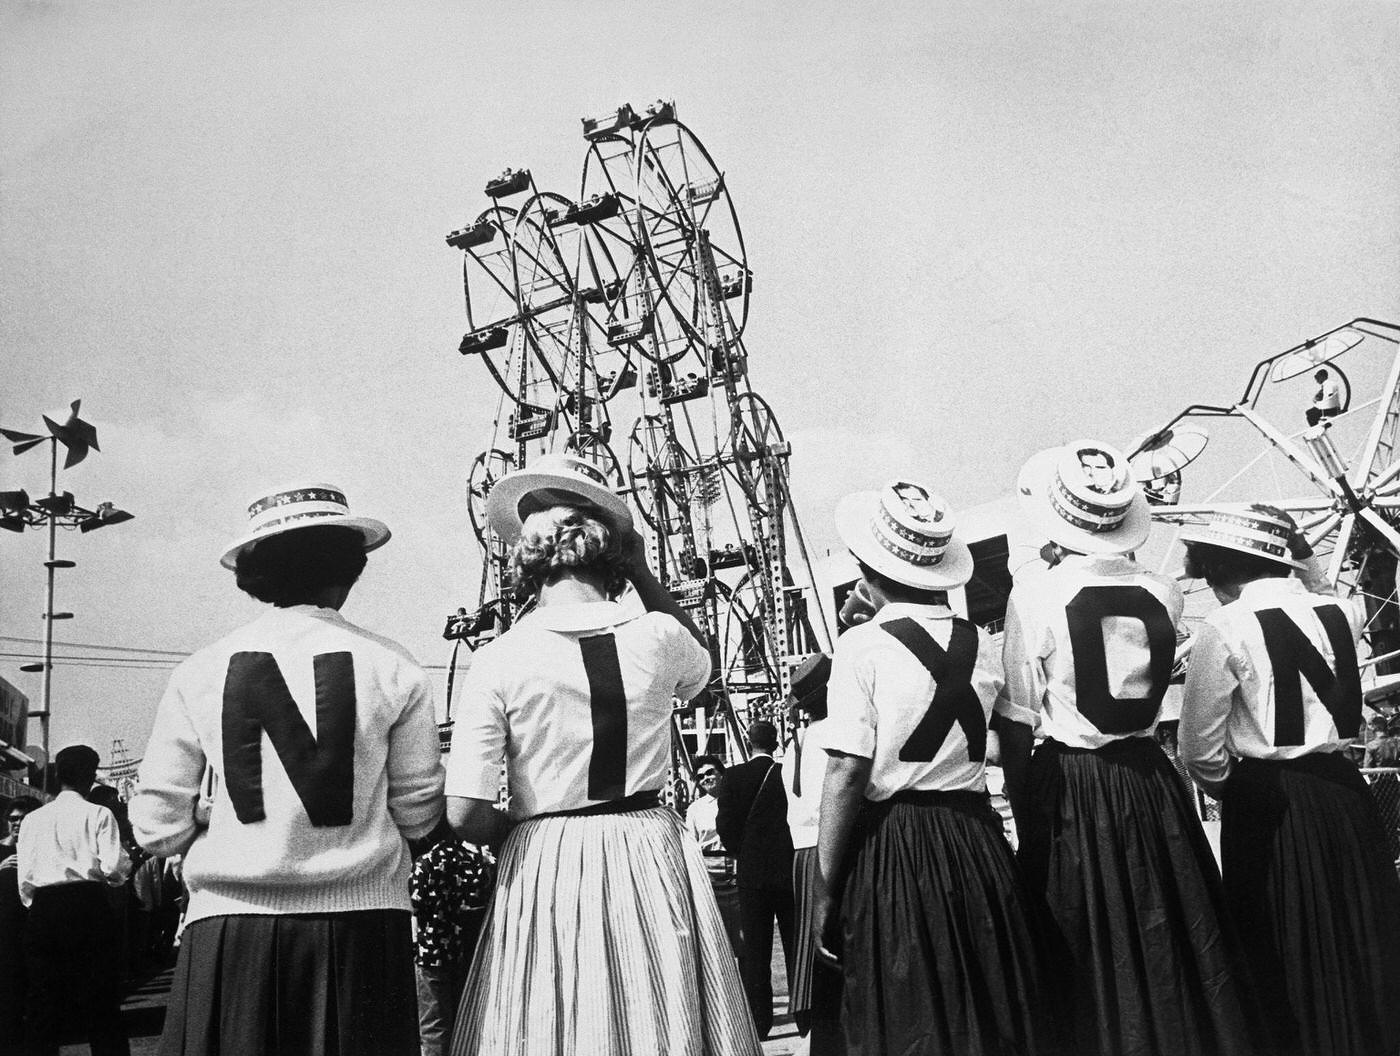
48 603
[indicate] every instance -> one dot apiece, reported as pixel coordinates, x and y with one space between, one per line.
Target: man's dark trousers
74 960
752 824
758 909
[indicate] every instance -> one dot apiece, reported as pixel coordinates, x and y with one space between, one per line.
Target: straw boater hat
302 506
905 532
554 480
1090 509
1259 530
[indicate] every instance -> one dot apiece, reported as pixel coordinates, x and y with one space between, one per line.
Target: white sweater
305 812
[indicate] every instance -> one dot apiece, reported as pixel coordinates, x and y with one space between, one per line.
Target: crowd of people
84 911
347 893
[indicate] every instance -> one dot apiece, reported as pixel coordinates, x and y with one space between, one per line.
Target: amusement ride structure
612 323
1337 471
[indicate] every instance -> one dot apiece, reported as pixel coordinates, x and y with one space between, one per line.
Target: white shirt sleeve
24 866
1024 686
1205 708
692 660
415 763
479 735
851 720
162 811
112 858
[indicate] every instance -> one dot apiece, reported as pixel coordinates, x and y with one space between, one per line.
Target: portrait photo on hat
557 479
1082 495
302 506
904 531
1260 530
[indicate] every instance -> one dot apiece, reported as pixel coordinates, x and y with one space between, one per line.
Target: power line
150 654
134 663
92 645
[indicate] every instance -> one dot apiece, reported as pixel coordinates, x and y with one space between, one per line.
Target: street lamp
55 510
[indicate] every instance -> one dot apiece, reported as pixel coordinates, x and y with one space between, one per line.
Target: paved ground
144 1013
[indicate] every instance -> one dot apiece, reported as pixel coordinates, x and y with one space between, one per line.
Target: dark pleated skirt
333 984
1308 876
939 955
1147 960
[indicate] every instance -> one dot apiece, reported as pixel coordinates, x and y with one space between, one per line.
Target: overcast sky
976 230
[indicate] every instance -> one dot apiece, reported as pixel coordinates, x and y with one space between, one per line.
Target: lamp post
55 510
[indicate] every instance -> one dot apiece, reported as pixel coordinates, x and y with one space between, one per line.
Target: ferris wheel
1316 432
613 326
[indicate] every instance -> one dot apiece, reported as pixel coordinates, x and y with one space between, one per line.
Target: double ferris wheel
612 323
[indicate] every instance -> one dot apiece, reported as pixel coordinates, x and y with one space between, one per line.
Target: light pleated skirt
804 886
603 938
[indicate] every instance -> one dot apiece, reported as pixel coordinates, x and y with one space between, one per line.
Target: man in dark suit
752 823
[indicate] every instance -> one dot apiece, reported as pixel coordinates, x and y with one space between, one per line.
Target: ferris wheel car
530 423
661 110
477 234
602 294
734 557
675 390
599 207
618 380
512 181
728 364
613 121
731 286
704 193
627 330
483 340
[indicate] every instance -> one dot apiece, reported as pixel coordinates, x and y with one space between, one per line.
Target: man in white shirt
700 822
1327 400
69 853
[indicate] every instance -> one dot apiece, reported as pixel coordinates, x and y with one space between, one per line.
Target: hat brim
1127 537
854 516
375 533
1188 535
1034 487
504 504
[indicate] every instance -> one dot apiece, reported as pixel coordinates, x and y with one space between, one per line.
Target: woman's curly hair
565 539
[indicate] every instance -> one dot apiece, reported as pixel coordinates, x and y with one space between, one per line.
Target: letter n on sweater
321 766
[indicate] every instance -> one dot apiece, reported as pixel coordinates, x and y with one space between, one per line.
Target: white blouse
883 704
575 700
1089 648
1266 680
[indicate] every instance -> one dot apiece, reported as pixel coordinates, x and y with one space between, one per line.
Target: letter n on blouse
321 766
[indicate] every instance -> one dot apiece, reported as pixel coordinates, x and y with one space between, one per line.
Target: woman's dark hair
563 539
296 567
1220 565
913 595
701 761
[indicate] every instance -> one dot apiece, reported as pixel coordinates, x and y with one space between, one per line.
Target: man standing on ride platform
70 852
752 822
1327 401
